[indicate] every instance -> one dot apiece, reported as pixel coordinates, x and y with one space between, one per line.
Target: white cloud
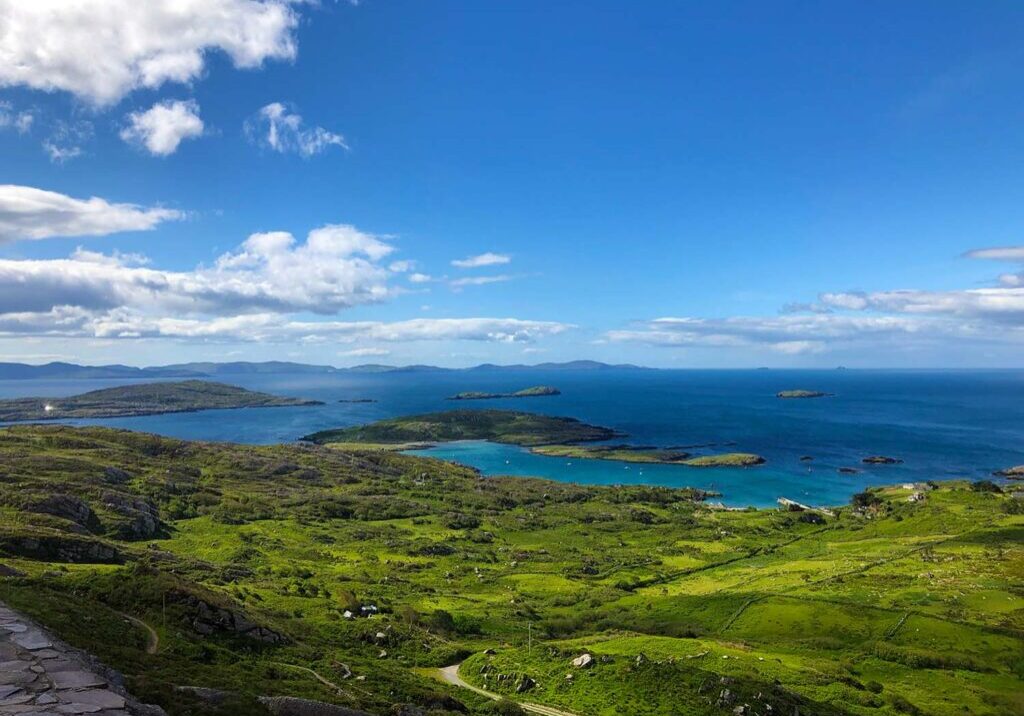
486 259
102 49
66 140
337 267
30 213
420 278
994 304
998 253
20 121
162 127
402 266
125 323
477 281
796 334
364 352
278 129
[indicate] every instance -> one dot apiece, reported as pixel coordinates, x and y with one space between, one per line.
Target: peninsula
536 391
145 399
500 426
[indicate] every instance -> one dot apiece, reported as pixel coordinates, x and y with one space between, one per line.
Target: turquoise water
942 424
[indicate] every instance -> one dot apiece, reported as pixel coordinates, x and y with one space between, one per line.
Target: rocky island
796 394
536 391
1013 473
500 426
145 399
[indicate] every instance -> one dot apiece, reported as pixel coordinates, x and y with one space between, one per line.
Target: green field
246 559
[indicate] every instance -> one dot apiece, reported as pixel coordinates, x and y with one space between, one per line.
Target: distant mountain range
60 371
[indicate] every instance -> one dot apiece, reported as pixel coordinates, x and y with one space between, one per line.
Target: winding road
450 675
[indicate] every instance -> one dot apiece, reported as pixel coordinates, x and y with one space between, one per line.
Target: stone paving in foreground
41 675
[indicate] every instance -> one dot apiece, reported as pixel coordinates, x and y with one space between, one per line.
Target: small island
728 459
796 394
662 456
357 400
537 391
881 460
500 426
145 399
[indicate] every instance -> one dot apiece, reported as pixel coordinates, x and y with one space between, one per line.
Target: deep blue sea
942 424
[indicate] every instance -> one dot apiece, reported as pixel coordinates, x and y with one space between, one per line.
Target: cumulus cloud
485 259
249 294
162 127
102 49
30 213
335 268
277 128
19 121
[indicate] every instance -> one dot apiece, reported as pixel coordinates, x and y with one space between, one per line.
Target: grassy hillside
502 426
249 562
144 399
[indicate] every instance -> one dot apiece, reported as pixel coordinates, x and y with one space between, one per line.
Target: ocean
942 424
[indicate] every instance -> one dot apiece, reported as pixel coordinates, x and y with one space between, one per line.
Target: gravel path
450 674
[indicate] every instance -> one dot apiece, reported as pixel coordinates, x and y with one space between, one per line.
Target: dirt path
450 675
329 684
152 638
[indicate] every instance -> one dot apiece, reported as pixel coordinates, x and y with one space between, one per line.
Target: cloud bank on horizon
320 292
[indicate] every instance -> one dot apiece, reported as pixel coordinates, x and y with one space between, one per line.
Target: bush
866 499
986 486
506 708
458 521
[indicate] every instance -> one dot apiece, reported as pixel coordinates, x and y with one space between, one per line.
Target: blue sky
664 183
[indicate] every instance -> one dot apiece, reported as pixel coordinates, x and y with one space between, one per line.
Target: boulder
67 507
143 518
583 661
525 684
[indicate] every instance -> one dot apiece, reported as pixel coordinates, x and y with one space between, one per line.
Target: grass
889 609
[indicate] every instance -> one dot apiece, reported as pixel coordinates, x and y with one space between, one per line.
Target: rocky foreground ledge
43 676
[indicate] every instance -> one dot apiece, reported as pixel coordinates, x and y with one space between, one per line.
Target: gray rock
101 698
76 679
